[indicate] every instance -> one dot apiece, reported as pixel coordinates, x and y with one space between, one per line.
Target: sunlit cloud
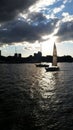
66 17
58 9
37 7
37 22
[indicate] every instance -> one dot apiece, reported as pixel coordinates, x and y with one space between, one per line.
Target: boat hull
42 65
53 68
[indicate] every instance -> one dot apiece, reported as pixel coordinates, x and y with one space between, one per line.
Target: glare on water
30 95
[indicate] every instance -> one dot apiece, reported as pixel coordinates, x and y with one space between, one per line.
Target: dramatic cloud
65 32
42 4
42 19
36 18
21 30
10 8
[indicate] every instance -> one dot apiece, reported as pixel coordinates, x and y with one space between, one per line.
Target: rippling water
33 99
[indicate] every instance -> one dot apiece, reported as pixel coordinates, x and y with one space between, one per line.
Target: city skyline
11 50
25 27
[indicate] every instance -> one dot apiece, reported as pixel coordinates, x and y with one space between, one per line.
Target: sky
29 26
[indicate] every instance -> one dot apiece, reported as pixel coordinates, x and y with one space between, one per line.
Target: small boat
42 65
54 66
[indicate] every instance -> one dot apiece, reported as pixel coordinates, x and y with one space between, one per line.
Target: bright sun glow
47 47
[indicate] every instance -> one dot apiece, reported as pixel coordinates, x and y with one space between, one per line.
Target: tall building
0 52
17 55
38 56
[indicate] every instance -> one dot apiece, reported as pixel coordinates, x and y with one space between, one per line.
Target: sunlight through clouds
41 4
37 22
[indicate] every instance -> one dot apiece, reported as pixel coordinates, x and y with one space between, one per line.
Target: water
33 99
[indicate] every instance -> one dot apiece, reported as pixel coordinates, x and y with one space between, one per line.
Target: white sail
54 62
54 66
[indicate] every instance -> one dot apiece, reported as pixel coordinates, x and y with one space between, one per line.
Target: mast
54 62
41 48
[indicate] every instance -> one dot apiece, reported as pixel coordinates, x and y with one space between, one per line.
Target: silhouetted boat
54 66
42 65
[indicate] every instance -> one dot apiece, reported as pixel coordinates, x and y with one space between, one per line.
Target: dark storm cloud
65 32
20 30
10 8
37 17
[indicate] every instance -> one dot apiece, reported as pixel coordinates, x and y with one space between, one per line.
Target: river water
33 99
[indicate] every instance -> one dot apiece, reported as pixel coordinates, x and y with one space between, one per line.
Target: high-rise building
38 56
17 55
0 52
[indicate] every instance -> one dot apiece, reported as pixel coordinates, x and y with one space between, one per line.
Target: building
0 52
38 56
17 55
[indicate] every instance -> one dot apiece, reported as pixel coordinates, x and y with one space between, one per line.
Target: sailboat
54 66
42 65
